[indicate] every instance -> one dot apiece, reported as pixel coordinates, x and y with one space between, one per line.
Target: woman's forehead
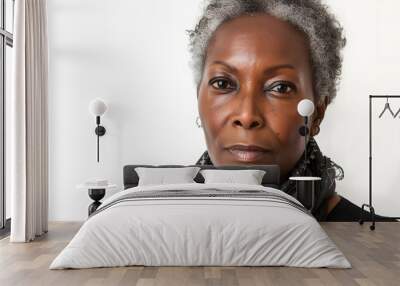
258 40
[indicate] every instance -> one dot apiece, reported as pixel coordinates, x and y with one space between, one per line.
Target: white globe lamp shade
305 107
97 107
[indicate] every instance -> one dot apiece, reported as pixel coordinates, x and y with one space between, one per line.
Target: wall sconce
97 107
305 108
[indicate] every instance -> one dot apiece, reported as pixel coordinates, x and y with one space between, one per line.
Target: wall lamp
97 107
305 108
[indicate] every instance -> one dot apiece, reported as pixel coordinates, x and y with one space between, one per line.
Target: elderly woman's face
256 71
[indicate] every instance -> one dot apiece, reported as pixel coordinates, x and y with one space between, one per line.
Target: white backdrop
134 55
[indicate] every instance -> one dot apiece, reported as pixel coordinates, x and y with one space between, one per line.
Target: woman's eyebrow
278 67
266 71
216 62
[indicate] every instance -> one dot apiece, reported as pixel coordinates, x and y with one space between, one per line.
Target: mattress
200 225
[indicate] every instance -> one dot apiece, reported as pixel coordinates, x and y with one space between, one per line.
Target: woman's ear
319 116
197 91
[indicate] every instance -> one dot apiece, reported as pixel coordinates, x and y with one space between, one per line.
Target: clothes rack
369 205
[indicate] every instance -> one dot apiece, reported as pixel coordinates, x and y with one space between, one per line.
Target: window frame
6 39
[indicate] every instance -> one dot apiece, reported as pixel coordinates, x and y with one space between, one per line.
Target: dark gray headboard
270 179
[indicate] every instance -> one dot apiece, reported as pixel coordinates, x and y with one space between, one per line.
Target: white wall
134 55
371 62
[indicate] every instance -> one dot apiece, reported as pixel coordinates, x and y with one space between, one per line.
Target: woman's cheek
287 129
214 109
290 137
215 122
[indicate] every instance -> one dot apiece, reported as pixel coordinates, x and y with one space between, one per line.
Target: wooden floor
375 256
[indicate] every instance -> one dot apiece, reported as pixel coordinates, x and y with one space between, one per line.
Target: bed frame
270 179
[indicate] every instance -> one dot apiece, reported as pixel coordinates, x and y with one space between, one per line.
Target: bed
201 224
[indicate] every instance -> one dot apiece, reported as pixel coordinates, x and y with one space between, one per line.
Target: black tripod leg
361 221
372 227
372 212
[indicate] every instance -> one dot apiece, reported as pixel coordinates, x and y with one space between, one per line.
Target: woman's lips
247 153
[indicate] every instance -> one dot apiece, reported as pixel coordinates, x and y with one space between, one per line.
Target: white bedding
184 231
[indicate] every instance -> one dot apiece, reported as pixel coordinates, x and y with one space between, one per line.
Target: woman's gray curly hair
310 16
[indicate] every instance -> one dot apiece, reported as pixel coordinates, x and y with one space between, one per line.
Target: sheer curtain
28 160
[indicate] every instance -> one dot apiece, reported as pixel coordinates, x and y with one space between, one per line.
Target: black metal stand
100 131
96 195
305 193
369 205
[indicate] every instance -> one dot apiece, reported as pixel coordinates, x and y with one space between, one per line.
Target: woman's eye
221 83
282 88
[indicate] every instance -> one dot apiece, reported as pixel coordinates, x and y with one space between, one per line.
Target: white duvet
200 231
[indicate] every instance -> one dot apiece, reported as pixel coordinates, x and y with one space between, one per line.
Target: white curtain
28 123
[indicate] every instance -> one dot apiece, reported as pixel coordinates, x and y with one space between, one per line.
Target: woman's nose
248 116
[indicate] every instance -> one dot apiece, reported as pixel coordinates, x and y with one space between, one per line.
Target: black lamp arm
100 131
304 130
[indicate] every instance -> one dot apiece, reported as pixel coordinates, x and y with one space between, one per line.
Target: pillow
160 176
249 177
